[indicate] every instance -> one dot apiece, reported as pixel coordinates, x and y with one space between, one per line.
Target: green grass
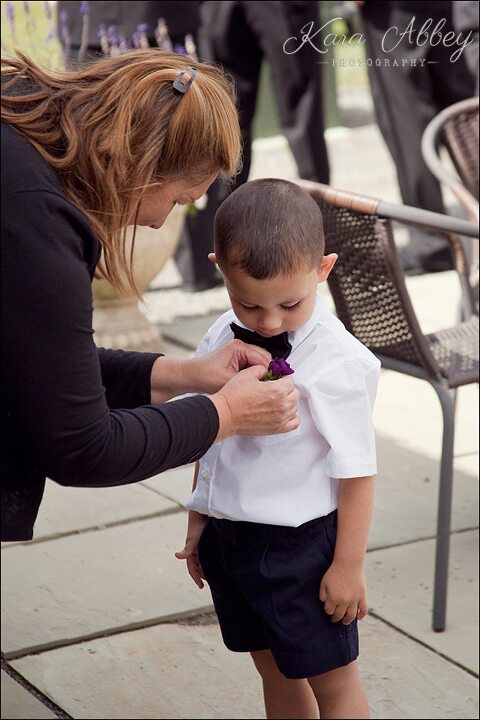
30 33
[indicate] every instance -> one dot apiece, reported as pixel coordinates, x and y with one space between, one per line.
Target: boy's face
280 304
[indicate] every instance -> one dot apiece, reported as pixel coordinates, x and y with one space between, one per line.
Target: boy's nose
270 325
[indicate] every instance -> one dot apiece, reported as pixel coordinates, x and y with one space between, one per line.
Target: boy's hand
196 524
343 590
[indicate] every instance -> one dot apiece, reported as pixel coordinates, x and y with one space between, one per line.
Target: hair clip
179 84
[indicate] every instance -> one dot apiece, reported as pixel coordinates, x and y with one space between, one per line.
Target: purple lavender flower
136 39
122 43
65 36
103 37
190 46
85 12
52 34
113 40
142 30
180 50
161 35
278 368
11 18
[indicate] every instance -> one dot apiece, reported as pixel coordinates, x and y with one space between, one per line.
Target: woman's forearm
355 507
171 377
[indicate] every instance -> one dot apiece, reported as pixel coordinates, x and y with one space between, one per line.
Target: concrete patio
101 621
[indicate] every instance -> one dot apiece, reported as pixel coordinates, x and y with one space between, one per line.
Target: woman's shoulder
23 168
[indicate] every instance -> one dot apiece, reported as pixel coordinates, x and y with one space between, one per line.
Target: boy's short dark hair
269 227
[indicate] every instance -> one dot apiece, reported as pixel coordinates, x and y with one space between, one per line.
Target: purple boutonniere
277 369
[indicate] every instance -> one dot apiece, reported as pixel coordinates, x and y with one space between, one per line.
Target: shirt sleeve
341 403
58 387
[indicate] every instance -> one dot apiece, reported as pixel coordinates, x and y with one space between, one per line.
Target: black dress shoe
438 261
201 285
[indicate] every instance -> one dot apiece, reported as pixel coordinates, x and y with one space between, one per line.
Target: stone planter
118 321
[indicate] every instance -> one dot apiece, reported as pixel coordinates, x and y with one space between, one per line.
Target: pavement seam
423 643
420 539
180 618
32 690
96 528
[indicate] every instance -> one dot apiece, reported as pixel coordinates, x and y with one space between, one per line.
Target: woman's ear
212 257
326 266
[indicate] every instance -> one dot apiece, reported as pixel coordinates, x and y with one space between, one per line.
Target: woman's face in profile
158 203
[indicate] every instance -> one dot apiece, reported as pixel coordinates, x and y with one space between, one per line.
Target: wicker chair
456 129
371 299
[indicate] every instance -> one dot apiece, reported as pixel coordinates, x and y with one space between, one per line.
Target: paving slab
99 581
167 671
176 485
406 495
72 509
19 704
400 582
174 671
408 410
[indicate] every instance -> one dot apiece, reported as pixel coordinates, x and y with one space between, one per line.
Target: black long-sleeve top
71 412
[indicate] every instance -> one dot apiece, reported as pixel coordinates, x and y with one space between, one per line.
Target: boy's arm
343 587
195 527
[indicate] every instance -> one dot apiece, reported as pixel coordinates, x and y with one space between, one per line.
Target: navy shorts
265 581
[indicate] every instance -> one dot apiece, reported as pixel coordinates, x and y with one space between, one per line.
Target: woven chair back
460 136
367 283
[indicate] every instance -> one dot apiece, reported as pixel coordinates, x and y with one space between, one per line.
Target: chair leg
444 513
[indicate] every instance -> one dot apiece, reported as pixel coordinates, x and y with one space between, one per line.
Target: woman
85 154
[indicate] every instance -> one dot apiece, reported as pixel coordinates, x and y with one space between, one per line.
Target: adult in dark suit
240 35
406 97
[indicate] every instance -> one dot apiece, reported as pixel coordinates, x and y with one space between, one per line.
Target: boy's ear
212 257
326 266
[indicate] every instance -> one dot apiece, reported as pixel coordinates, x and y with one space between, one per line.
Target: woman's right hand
247 406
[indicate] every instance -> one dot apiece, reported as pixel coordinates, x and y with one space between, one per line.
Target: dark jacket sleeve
58 387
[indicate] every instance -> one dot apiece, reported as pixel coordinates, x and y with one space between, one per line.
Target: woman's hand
212 371
207 374
247 406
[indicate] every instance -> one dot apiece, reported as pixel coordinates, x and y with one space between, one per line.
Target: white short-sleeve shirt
290 478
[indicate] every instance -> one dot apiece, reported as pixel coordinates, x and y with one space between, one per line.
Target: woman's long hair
115 129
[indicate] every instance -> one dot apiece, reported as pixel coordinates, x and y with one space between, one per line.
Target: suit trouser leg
297 81
408 96
228 41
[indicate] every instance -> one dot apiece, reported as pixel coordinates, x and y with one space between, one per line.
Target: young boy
284 543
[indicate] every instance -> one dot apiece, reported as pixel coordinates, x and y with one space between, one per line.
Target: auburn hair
115 129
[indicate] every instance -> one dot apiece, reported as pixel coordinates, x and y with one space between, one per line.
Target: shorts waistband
237 531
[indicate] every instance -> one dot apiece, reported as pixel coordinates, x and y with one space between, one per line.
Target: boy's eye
253 307
291 307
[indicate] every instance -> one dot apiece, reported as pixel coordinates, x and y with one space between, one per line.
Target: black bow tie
278 345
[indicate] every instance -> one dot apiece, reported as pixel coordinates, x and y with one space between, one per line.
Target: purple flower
180 50
84 8
278 368
11 18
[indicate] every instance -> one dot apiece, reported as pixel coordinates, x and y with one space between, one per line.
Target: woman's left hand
210 372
